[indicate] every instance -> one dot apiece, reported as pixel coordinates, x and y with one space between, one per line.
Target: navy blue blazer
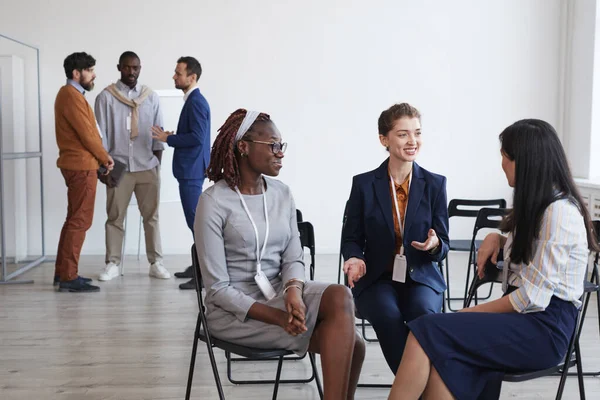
192 141
368 232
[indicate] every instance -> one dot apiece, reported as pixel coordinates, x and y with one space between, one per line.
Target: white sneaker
110 271
157 270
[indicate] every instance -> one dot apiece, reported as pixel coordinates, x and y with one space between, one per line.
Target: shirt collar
76 85
185 97
123 87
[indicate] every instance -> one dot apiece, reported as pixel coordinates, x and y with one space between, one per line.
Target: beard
88 85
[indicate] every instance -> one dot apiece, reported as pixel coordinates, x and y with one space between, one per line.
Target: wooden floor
133 339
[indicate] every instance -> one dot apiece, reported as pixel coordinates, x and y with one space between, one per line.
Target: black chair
573 355
202 333
298 215
462 208
307 240
362 323
487 218
595 279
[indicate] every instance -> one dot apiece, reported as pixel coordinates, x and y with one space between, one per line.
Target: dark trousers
388 305
81 196
189 192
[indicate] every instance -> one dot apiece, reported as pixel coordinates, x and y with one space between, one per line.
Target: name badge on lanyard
400 263
260 278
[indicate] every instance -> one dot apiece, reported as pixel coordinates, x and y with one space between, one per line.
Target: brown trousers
81 195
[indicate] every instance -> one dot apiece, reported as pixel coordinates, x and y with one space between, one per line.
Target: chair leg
213 364
231 359
467 282
596 280
313 363
586 303
579 371
193 360
450 299
364 333
489 293
563 378
277 377
598 309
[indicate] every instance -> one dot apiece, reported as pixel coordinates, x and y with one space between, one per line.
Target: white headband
246 124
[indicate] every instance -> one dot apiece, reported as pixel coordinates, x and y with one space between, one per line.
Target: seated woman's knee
340 298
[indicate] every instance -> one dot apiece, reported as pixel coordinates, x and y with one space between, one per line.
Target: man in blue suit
191 143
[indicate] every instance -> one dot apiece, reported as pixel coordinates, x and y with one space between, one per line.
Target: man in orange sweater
80 155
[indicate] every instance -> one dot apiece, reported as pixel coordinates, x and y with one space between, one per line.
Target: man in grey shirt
126 112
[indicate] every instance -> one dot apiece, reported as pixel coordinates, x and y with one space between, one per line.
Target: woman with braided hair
252 261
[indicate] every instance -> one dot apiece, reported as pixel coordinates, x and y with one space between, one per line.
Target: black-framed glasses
276 147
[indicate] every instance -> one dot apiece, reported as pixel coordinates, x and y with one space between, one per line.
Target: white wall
324 70
580 86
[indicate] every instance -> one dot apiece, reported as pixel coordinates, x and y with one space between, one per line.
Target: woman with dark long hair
549 234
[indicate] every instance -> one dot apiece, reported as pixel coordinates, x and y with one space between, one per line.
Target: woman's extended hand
431 243
355 268
489 249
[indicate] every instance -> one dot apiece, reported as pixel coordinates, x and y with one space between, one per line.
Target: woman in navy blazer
372 236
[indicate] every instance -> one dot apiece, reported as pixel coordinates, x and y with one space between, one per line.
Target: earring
244 155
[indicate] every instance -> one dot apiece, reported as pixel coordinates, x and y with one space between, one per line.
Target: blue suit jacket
192 141
368 232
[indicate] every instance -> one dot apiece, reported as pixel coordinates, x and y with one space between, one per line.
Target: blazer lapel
415 193
382 192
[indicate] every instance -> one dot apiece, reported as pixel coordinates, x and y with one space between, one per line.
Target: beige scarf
133 103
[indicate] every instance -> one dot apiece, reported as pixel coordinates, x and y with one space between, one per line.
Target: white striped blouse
559 263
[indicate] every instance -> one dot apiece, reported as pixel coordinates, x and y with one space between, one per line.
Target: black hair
79 62
542 175
192 66
127 54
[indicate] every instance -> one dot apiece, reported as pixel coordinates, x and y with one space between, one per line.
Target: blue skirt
472 351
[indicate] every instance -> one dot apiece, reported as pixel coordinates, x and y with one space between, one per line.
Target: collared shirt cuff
516 305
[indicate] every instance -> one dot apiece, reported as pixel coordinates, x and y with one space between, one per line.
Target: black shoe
189 285
77 285
188 273
57 280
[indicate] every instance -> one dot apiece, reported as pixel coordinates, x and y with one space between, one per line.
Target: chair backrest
341 257
596 225
307 239
298 215
469 208
487 218
198 277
